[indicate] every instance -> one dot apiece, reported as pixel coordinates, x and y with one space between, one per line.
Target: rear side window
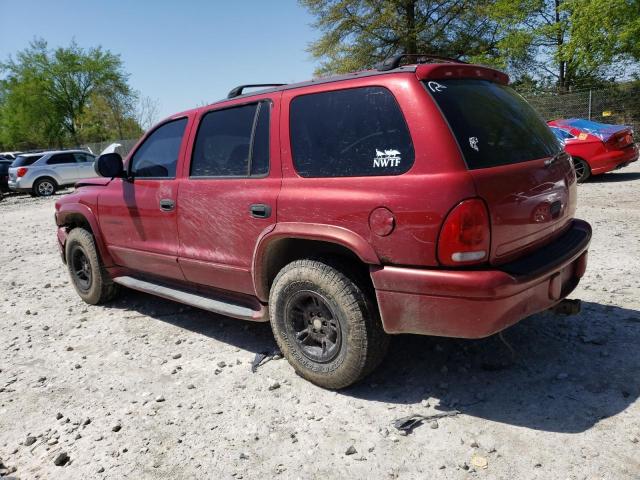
157 157
349 133
61 159
24 161
492 123
233 142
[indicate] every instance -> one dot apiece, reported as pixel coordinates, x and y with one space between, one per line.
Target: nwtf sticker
386 158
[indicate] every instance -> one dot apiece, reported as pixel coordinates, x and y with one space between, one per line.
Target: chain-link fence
619 104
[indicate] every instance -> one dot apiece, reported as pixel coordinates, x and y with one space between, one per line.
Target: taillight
465 237
22 171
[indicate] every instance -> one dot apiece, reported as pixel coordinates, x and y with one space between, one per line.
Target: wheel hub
314 326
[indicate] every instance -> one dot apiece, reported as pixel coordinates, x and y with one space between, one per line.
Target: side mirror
109 165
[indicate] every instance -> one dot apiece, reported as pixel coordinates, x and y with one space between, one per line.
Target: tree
47 94
358 33
147 112
567 43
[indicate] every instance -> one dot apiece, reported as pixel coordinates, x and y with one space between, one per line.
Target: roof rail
394 61
236 92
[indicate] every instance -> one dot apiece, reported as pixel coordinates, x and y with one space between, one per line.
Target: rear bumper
18 185
613 159
479 303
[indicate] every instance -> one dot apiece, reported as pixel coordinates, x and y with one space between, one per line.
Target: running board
194 299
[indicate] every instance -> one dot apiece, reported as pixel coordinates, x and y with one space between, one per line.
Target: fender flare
68 209
306 231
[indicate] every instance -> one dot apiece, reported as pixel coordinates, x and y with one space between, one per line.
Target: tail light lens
22 171
465 237
622 140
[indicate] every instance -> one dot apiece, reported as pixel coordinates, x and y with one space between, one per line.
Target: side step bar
194 299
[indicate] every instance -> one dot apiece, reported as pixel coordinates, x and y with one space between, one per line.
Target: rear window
349 133
492 123
24 161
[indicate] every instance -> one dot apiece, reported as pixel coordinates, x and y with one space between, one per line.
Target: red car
595 147
404 199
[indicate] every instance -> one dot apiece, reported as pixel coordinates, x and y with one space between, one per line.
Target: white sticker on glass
473 142
435 87
386 158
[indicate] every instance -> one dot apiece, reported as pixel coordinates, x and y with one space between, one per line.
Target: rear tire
583 170
325 324
44 187
89 278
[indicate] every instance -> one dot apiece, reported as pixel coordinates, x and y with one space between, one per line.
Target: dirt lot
146 388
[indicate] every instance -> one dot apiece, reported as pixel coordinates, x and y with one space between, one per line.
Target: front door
230 196
137 216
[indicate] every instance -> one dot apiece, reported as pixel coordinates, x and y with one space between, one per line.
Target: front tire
89 278
583 170
44 187
325 324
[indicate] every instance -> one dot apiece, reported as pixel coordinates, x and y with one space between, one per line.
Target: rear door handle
260 210
167 205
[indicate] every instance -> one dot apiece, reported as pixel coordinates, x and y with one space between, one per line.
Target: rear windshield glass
23 161
492 123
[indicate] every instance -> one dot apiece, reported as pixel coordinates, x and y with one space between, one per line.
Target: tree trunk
411 40
562 65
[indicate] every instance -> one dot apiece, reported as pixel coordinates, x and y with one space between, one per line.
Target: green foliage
65 96
358 33
566 44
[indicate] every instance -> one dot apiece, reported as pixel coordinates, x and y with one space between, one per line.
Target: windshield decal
473 142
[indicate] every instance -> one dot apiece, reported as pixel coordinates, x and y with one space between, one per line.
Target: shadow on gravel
614 177
251 336
554 373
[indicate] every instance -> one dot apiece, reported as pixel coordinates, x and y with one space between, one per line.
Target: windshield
492 123
25 161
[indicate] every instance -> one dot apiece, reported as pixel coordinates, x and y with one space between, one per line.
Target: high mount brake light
465 237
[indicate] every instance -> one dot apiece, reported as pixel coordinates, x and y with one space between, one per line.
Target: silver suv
44 172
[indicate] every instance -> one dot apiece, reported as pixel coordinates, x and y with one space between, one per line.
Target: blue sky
182 53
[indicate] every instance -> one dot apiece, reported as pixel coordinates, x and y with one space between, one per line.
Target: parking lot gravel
146 388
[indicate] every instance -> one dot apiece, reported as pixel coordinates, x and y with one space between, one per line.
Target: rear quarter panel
419 199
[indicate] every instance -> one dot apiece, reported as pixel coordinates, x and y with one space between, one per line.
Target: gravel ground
146 388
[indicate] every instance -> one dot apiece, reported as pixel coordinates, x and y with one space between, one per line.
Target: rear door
228 198
513 159
65 166
138 216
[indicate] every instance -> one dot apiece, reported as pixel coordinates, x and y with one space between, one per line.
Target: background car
596 148
45 172
5 163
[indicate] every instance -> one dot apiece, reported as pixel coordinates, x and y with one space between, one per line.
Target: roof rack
236 92
394 62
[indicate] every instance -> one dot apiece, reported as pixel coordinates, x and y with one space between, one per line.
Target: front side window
61 159
348 133
83 157
157 157
233 142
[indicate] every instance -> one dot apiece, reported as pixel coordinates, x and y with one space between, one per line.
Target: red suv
426 198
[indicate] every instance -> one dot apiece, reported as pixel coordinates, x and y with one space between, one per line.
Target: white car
43 173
